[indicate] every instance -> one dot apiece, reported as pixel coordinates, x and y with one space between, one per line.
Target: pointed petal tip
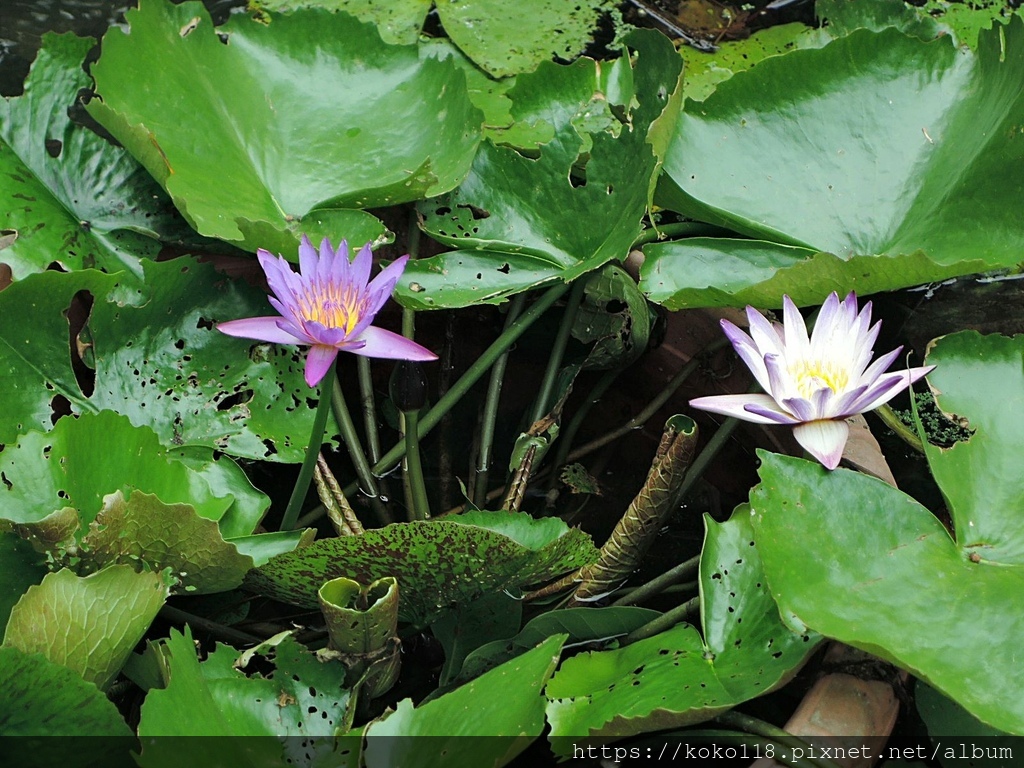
259 329
318 361
824 440
378 342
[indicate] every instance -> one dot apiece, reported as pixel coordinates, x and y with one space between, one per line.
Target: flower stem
316 439
473 374
490 414
660 584
355 451
903 432
664 622
419 505
679 229
369 406
547 386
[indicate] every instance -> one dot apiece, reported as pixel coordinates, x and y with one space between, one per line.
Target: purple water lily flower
329 306
813 383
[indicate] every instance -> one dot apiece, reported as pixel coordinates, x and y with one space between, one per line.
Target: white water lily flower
813 383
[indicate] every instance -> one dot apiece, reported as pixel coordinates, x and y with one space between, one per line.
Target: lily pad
158 360
979 379
306 119
88 624
69 196
509 38
144 529
522 220
914 184
48 471
216 698
582 625
397 21
43 700
857 560
506 706
676 678
439 564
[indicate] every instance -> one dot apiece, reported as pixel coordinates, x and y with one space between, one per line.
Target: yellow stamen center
812 375
331 305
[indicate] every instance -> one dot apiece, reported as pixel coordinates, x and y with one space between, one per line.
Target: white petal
747 352
887 386
824 440
797 343
736 405
765 338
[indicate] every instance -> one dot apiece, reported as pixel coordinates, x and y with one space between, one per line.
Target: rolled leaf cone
645 516
362 624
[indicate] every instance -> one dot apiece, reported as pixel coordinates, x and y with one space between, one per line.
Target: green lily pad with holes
968 20
705 70
501 38
529 216
300 698
308 117
45 472
857 560
678 678
159 361
509 38
67 195
614 317
89 624
916 184
439 564
507 713
397 21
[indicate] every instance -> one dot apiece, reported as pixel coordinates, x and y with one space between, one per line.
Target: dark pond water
24 22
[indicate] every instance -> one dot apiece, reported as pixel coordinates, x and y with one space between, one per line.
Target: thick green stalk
660 584
490 414
369 406
678 229
472 375
664 622
355 451
316 439
419 505
547 386
903 432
